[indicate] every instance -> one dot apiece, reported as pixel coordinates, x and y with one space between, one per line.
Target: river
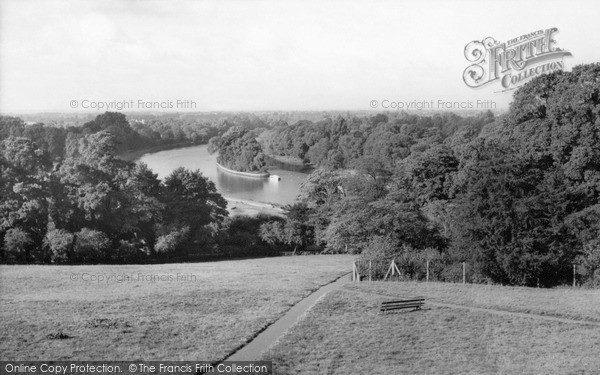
262 190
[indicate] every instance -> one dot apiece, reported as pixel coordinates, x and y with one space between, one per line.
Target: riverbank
245 174
237 207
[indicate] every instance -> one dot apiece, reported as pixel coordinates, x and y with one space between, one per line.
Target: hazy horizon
265 56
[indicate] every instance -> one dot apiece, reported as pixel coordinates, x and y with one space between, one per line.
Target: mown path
253 350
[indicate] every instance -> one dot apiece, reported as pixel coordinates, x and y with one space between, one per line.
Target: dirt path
493 311
253 350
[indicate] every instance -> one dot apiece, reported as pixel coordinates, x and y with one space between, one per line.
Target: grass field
346 334
195 311
581 304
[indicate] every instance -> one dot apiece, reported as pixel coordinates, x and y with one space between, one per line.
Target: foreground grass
581 304
212 309
345 334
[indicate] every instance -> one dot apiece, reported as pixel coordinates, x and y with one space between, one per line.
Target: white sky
265 55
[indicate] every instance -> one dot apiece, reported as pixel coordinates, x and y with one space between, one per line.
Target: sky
66 56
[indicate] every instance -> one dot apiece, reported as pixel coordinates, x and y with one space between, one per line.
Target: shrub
169 243
379 251
589 263
60 243
412 263
247 236
129 251
17 245
91 245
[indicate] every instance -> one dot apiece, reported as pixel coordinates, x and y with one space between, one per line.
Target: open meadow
200 311
345 333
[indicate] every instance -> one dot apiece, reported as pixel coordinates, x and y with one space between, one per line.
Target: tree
117 125
354 221
23 189
322 187
17 245
530 181
386 147
60 243
191 200
91 246
428 176
295 230
11 127
511 220
118 198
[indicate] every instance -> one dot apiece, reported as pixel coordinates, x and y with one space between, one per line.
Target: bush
171 242
589 264
412 263
380 251
17 245
129 251
60 244
244 236
91 246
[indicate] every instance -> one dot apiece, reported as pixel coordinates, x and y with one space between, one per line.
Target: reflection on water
284 191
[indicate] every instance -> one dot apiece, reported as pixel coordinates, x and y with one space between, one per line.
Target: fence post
391 268
464 273
427 277
369 270
388 271
574 275
396 267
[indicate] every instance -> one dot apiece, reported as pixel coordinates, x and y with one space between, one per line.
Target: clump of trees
516 197
238 150
529 194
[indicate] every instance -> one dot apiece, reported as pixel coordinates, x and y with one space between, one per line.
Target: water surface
255 189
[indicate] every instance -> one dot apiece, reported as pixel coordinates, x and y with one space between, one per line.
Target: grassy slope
203 319
581 304
345 334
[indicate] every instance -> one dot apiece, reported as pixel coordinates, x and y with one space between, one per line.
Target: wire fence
431 270
371 270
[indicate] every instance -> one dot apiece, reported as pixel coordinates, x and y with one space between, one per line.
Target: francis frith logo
514 62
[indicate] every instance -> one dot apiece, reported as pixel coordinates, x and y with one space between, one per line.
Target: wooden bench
413 303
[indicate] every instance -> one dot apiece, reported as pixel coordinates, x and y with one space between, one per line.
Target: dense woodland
516 197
